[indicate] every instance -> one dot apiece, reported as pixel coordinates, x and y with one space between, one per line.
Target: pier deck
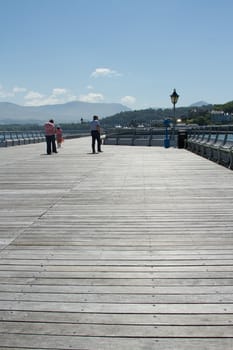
128 249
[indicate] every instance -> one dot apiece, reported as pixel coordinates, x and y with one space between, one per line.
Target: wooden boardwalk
128 249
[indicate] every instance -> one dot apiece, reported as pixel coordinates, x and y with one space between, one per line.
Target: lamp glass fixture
174 97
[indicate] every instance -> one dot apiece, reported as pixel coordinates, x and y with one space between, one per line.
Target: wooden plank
37 263
36 280
110 343
123 319
156 308
128 331
124 297
75 267
119 275
123 289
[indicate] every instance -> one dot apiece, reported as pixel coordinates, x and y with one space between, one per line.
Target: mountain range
70 112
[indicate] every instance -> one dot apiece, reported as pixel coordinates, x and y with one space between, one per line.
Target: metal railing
215 145
135 136
15 138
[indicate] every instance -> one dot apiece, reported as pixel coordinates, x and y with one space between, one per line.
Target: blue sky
132 52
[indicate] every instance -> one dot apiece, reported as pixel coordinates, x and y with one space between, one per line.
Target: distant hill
199 104
62 113
226 107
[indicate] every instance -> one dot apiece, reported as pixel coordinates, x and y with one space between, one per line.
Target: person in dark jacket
95 134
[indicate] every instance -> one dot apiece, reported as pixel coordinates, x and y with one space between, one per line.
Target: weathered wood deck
128 249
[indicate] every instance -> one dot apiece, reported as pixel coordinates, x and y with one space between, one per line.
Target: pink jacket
59 135
49 129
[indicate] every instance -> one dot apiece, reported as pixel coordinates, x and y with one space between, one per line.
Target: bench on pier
215 146
226 152
206 147
16 138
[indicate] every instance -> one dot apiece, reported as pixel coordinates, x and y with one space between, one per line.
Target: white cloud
18 89
104 72
34 98
32 95
4 93
91 97
128 100
59 91
58 96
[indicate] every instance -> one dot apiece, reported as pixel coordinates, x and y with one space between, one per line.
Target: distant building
221 116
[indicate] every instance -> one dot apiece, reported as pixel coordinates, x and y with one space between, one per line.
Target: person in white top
95 133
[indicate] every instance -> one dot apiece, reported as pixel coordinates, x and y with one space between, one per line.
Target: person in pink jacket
50 132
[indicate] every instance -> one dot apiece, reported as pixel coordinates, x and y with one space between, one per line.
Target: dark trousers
51 144
96 137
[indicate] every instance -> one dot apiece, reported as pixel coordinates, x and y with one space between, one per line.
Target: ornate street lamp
174 98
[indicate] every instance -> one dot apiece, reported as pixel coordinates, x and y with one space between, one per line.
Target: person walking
95 134
50 132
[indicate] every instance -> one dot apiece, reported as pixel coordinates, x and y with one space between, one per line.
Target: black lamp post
174 98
